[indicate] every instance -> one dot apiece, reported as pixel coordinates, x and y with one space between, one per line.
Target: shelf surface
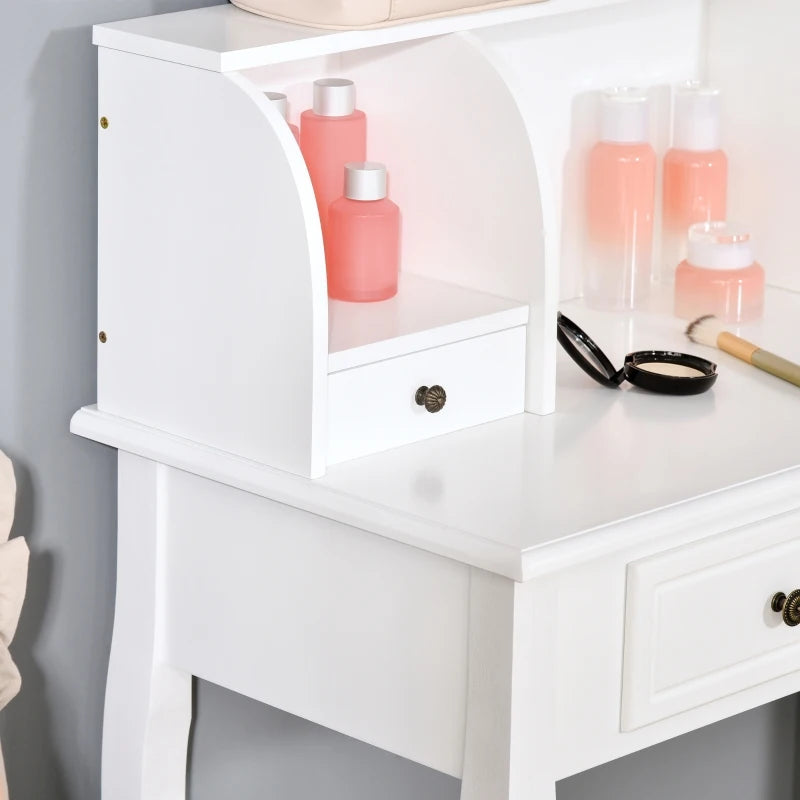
424 313
517 495
225 38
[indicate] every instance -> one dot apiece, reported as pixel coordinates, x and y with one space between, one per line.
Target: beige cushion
348 14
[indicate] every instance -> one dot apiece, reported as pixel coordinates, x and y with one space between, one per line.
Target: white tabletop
499 495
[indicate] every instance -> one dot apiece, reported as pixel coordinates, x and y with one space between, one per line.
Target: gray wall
51 733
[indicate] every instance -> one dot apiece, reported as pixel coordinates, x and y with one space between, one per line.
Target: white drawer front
699 625
372 408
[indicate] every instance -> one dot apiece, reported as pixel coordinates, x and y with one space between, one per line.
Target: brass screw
103 122
102 337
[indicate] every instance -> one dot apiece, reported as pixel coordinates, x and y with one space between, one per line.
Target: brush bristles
705 330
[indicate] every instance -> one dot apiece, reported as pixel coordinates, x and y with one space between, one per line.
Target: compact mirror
662 371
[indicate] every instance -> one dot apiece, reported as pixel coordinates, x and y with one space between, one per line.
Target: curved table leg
148 707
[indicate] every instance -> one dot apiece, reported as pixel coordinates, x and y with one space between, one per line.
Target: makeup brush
710 331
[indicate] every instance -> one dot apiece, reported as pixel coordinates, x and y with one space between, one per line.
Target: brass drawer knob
788 607
432 398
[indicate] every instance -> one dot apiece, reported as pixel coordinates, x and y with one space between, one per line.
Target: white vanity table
509 603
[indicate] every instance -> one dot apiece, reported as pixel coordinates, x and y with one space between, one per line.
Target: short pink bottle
621 200
332 133
281 103
363 248
695 171
720 275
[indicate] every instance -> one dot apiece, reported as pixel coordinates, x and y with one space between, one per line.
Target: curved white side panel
211 267
540 373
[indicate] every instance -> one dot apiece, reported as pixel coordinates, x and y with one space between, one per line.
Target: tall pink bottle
695 172
281 103
363 249
332 133
621 200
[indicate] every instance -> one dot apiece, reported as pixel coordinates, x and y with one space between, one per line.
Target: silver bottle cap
334 97
364 180
280 101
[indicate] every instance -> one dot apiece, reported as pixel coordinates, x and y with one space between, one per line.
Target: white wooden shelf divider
424 313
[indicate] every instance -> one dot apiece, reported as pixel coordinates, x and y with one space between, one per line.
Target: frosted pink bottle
332 134
620 205
720 275
281 103
695 172
363 250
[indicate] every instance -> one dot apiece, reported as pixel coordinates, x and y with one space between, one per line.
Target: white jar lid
365 180
623 115
720 245
334 97
696 125
280 101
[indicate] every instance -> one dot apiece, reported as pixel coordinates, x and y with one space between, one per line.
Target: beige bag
13 576
347 14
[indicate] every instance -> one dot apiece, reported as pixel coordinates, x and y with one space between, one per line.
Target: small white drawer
699 624
374 408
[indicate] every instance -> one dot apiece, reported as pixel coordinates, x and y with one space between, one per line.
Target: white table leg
148 706
508 753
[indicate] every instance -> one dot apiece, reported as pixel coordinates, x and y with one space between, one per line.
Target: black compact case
662 371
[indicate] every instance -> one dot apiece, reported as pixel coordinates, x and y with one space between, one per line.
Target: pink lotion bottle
621 199
281 103
332 133
695 171
720 275
363 249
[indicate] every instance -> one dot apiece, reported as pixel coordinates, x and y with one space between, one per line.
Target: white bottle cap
720 245
280 101
364 180
695 123
334 97
623 115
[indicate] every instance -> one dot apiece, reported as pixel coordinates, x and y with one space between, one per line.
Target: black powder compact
661 371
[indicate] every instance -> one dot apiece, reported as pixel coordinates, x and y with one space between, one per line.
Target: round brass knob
432 398
788 607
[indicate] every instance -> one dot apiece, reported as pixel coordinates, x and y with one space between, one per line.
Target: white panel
333 624
699 624
372 408
752 57
211 271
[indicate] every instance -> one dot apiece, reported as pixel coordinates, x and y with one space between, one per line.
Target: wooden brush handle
777 366
740 348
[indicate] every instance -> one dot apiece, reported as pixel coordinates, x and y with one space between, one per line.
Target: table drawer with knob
712 618
413 397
